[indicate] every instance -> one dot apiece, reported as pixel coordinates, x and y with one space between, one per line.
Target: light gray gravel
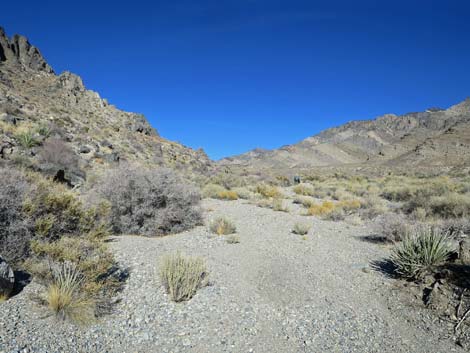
272 292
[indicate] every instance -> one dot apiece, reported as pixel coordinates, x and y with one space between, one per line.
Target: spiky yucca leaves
64 296
421 251
222 226
182 275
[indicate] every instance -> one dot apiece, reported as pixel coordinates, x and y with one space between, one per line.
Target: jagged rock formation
435 137
36 104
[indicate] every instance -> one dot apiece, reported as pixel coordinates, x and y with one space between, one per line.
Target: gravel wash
273 292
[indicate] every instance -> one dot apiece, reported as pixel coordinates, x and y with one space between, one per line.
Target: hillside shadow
22 279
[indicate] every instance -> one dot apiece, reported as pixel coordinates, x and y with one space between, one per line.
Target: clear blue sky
230 76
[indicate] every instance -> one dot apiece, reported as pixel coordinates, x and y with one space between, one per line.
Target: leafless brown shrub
149 201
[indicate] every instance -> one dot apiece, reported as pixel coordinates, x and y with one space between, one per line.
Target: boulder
7 278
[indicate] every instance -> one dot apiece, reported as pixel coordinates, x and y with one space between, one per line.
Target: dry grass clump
268 191
301 228
222 226
420 252
212 191
279 205
182 275
232 239
215 191
64 296
304 189
244 193
305 201
227 195
320 210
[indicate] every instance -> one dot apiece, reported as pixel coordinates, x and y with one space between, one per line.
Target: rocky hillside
36 105
435 137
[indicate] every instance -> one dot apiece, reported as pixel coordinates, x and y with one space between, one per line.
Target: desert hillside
436 137
36 104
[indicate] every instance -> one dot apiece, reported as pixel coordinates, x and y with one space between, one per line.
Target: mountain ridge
33 95
384 140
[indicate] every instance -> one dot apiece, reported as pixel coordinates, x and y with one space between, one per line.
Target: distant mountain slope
32 95
434 137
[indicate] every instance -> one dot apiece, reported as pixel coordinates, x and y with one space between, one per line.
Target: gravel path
272 292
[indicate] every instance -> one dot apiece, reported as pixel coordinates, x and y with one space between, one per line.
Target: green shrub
420 252
182 275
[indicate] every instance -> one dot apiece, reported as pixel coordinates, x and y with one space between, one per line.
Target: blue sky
229 76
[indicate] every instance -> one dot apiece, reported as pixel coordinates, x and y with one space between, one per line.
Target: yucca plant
182 275
26 139
421 251
63 293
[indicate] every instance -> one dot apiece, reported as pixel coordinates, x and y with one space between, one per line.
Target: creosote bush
182 275
420 252
149 201
222 226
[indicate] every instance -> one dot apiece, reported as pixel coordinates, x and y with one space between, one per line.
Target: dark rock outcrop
18 50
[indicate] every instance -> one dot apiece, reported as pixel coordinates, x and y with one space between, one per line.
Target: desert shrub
227 195
373 206
336 214
301 228
279 205
232 239
56 155
64 296
349 205
392 226
244 193
182 275
304 190
268 191
420 252
212 191
451 205
305 201
15 231
99 272
222 226
322 209
149 201
55 211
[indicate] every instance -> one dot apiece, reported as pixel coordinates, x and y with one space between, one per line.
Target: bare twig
462 319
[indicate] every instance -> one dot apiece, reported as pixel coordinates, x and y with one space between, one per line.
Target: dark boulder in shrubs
7 279
148 201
